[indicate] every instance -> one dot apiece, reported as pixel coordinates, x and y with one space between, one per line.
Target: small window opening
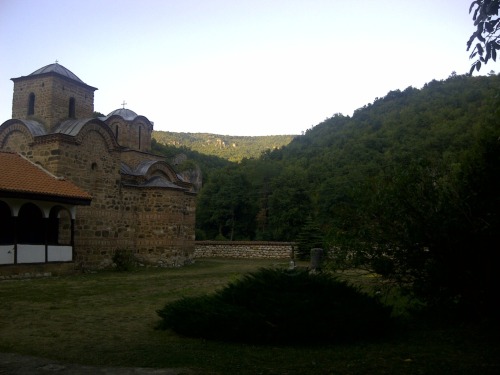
31 105
140 131
71 113
116 132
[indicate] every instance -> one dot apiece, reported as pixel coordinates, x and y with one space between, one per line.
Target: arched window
140 131
116 133
71 112
30 226
7 228
94 176
31 104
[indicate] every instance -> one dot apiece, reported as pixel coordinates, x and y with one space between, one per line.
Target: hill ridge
230 147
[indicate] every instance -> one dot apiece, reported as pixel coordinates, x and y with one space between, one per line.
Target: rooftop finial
57 61
124 104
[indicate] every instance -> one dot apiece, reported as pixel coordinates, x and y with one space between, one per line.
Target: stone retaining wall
243 249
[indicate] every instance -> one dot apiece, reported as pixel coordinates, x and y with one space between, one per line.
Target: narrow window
140 129
31 105
116 133
71 113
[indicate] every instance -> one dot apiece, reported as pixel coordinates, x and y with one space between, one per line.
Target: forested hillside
232 148
435 127
416 172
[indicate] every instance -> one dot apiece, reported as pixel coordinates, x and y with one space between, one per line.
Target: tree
487 23
289 204
434 229
308 238
225 208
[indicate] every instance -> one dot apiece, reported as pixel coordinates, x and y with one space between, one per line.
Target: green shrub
279 306
200 235
124 260
220 237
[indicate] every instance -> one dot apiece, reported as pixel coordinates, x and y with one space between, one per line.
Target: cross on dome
124 104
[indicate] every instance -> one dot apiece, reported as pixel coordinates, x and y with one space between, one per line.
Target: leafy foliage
309 237
225 206
405 187
207 163
124 260
232 148
487 22
278 306
288 204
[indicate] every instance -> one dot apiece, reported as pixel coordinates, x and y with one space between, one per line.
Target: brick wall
243 249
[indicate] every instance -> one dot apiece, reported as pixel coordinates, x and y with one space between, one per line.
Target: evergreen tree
309 237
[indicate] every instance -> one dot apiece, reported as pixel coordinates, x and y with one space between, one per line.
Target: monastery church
75 189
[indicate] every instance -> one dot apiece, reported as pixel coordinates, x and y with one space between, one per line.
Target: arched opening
71 112
59 228
140 133
30 228
31 104
7 235
7 230
116 132
94 176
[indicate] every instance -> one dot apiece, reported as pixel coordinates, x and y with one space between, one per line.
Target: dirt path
15 364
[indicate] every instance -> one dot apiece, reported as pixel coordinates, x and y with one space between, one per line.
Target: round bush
279 306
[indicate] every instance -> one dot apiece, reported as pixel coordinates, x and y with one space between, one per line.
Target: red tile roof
20 176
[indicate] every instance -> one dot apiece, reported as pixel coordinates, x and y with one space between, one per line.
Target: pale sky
248 67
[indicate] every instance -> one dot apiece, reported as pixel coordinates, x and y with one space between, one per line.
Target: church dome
59 69
124 113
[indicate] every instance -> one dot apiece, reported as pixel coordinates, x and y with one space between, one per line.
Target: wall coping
244 243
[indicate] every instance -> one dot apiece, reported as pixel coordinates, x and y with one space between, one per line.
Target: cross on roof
124 104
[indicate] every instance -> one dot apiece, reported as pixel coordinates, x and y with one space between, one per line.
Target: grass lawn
108 319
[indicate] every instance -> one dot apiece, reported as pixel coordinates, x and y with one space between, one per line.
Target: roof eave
77 201
24 78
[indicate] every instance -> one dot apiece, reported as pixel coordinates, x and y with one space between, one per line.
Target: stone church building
114 194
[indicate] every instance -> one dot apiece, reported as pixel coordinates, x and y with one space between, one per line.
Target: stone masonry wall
22 90
104 226
133 157
52 95
243 249
155 223
135 135
17 140
63 91
165 223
